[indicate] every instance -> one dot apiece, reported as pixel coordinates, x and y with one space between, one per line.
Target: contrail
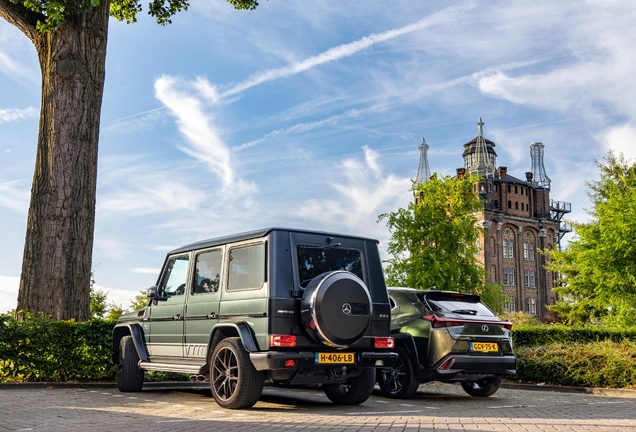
344 50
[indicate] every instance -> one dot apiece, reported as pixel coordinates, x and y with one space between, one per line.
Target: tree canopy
70 38
50 14
598 269
435 242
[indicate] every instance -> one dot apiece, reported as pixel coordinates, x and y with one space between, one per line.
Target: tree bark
56 266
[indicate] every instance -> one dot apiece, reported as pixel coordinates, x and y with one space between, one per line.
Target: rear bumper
454 364
273 360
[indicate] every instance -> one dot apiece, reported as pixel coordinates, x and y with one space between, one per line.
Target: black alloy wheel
400 381
234 381
353 392
482 388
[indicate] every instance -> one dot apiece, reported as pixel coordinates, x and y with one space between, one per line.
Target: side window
176 276
207 274
247 267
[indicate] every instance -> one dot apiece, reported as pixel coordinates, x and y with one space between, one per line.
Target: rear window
314 260
463 304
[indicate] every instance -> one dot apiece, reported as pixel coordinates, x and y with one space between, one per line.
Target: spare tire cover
336 308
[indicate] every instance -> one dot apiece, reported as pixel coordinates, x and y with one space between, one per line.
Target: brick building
519 218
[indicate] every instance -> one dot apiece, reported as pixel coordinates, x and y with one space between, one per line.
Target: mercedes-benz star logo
346 308
484 328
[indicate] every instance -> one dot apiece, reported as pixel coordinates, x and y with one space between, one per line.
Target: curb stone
507 384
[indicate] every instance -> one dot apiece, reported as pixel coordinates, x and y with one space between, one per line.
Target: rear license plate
335 358
484 347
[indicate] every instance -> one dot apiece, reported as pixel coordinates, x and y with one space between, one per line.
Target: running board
168 367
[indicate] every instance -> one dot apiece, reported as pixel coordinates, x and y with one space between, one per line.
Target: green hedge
532 335
41 349
592 364
576 356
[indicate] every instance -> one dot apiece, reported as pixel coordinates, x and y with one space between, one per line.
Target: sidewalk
173 385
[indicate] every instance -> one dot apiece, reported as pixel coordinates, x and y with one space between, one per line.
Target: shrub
42 349
600 363
532 335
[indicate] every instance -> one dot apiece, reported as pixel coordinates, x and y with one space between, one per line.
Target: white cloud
166 248
120 297
151 192
186 102
592 77
146 270
345 50
14 48
16 114
15 197
139 122
622 139
9 286
363 192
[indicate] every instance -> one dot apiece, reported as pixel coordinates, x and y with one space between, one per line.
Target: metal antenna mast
423 170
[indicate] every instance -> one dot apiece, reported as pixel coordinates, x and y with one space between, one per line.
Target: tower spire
540 179
482 165
423 170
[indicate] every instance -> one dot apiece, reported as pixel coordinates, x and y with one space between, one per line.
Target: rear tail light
506 324
384 342
438 322
283 341
290 363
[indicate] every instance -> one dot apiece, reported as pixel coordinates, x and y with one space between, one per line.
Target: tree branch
20 17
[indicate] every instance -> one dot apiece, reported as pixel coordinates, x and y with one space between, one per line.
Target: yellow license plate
484 346
335 358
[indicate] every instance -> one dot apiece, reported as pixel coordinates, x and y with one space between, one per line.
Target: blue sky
309 114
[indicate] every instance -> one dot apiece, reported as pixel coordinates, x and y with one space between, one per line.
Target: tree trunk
56 266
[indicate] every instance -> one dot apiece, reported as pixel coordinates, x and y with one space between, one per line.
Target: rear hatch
466 318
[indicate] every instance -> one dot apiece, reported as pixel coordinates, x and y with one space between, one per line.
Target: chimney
529 177
460 173
502 172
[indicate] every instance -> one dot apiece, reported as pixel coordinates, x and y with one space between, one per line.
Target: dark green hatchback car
449 337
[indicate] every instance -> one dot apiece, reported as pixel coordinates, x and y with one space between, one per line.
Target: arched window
508 243
528 246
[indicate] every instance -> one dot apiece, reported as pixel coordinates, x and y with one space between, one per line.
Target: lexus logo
484 328
346 309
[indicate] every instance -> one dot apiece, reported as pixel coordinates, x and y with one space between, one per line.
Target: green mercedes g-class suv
293 306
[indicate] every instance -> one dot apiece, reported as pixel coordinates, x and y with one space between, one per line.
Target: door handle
177 317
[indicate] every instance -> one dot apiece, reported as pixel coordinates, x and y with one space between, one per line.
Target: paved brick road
436 407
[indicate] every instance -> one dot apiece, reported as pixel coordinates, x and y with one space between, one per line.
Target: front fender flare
137 333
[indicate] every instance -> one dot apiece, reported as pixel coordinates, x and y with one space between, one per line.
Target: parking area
436 407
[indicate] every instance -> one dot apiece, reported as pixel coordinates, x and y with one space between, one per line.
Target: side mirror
153 295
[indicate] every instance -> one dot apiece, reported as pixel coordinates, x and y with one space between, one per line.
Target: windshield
458 303
314 260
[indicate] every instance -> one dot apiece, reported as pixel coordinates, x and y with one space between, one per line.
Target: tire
483 387
234 381
355 391
336 308
130 377
400 381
